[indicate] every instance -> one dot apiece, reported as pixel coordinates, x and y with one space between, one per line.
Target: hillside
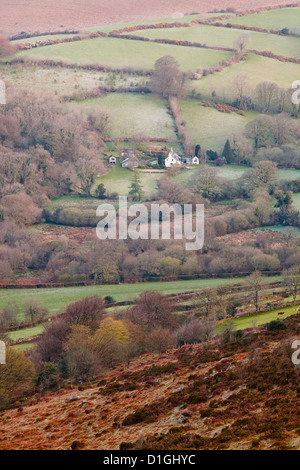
32 15
239 394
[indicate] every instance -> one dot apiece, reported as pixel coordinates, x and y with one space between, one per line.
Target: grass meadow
216 36
118 180
56 299
135 115
65 81
211 128
120 53
176 18
256 68
258 319
273 19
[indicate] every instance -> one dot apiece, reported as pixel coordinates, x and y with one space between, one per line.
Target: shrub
276 325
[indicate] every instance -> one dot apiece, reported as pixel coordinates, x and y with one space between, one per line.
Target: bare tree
264 176
254 281
260 130
266 94
159 340
240 44
240 85
292 280
167 79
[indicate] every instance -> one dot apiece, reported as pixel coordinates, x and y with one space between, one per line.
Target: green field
65 81
260 318
279 228
135 115
289 174
256 68
118 180
273 19
296 200
24 347
175 18
56 299
43 38
211 128
26 332
216 36
124 53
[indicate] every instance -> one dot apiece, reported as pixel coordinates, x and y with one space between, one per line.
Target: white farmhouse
173 159
112 160
192 161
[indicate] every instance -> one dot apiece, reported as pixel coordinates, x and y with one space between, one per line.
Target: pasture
211 128
256 68
273 19
65 81
135 115
257 319
118 180
223 37
111 27
55 299
296 200
121 53
35 39
25 333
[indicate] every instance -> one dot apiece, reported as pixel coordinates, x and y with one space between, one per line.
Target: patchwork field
118 180
273 19
258 319
256 68
25 333
223 37
56 299
121 53
170 19
65 81
202 123
34 39
135 115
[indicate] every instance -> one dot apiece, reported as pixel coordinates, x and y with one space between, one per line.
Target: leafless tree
167 79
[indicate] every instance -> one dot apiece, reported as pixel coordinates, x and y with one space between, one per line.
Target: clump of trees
16 378
167 79
46 150
83 341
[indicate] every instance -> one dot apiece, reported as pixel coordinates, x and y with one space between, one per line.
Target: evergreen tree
136 189
100 191
197 150
227 152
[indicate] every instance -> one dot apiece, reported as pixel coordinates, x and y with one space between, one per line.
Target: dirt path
53 15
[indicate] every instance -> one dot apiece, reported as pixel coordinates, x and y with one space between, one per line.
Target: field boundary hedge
51 63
